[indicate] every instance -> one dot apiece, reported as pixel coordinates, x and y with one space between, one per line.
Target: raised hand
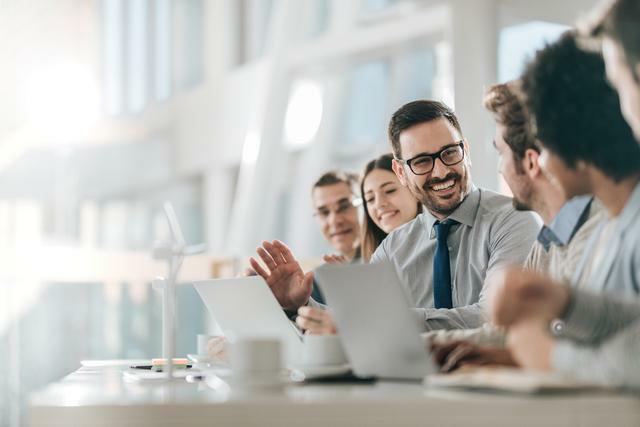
290 285
334 259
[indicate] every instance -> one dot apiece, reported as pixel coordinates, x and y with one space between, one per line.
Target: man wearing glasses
335 206
444 256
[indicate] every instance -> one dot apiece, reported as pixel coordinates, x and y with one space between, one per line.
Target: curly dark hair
415 113
576 114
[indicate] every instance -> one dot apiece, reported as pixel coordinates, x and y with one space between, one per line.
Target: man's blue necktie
441 267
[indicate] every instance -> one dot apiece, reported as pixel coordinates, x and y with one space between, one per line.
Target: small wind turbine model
173 252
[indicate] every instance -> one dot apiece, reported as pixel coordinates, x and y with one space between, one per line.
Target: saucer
319 371
254 382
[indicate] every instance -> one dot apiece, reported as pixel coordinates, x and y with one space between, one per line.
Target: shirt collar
568 220
465 213
630 211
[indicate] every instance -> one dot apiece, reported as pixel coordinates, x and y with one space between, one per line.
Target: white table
101 397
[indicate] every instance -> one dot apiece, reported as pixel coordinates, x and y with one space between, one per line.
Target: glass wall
81 192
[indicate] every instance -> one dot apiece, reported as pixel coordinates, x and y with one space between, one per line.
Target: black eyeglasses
422 164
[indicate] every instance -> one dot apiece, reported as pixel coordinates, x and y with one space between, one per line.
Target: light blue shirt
591 318
568 220
619 268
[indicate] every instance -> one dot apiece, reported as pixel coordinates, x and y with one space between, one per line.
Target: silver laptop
378 329
246 307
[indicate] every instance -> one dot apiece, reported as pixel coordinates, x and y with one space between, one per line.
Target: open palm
290 285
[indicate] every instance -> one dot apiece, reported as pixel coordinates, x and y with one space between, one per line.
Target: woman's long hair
372 235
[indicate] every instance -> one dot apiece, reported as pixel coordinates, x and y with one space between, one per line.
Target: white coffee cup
255 356
323 350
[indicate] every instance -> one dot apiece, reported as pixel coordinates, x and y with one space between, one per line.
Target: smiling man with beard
444 256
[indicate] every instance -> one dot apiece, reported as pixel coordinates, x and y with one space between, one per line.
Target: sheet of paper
506 379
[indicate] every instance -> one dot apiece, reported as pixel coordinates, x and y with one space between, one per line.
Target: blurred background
230 109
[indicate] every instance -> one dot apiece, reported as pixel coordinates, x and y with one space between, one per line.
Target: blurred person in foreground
593 337
617 24
560 244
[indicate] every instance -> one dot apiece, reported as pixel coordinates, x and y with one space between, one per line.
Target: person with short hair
617 24
587 148
443 257
335 199
568 224
387 206
335 206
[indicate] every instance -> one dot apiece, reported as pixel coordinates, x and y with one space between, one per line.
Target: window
190 40
255 19
162 49
366 103
142 40
518 44
137 51
113 55
414 72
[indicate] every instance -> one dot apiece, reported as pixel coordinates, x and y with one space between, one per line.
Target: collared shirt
560 246
568 220
618 267
592 317
565 240
490 234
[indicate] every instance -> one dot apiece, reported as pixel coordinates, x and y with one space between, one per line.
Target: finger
456 356
275 252
248 272
258 268
307 283
267 259
328 259
311 313
307 324
441 351
285 252
312 327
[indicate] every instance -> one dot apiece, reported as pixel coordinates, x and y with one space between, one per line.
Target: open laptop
378 329
246 307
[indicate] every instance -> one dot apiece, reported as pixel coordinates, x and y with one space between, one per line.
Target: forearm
467 317
592 318
484 335
292 314
614 362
